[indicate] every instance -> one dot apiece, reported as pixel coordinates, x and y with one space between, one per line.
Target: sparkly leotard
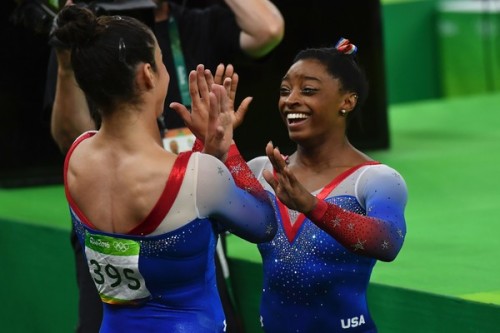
316 273
160 277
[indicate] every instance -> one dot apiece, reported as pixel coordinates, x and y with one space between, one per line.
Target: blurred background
411 51
433 113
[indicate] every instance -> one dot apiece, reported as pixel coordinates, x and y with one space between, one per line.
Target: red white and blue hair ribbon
344 46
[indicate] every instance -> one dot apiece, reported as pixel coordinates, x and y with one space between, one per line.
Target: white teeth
297 116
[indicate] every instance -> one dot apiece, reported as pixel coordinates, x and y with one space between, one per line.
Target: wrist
233 150
318 210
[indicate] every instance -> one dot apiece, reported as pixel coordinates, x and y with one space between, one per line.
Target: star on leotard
385 245
359 245
220 171
336 222
236 169
400 233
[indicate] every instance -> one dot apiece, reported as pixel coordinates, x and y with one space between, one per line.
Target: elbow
269 229
265 40
275 32
62 139
272 35
389 256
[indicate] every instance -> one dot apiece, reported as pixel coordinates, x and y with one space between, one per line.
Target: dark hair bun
76 25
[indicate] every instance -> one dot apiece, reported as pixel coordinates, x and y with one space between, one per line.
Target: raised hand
200 82
219 134
199 89
285 185
221 74
211 118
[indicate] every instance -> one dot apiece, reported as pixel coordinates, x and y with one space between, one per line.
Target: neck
325 156
130 127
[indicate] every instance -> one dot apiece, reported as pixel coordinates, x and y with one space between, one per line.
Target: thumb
241 112
182 111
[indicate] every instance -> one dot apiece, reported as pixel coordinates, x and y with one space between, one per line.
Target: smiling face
310 103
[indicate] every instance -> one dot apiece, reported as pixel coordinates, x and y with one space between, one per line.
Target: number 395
101 274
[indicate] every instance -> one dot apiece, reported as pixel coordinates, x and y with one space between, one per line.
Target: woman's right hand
196 119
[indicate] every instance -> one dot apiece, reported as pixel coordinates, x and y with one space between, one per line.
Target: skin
127 144
323 150
224 75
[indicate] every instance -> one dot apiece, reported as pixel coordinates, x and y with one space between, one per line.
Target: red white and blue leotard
160 277
316 270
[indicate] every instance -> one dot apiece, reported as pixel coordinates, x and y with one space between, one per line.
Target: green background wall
411 50
431 52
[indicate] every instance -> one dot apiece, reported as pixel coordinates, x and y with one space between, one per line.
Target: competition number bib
114 266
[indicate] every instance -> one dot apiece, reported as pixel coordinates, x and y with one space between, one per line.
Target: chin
295 137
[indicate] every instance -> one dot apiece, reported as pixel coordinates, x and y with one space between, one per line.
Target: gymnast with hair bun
148 220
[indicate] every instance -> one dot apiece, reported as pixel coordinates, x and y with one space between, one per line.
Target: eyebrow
304 77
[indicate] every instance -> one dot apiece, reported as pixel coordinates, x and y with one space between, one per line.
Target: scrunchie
344 46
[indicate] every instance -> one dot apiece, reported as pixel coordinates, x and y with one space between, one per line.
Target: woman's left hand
221 74
285 185
219 133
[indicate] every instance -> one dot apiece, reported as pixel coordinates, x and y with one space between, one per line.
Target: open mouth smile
296 118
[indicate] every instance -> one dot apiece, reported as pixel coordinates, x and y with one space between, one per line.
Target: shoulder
376 171
78 140
381 180
207 164
83 136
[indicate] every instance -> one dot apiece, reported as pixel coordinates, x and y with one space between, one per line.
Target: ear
350 101
147 76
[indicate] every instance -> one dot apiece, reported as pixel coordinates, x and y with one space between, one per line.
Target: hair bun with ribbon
344 46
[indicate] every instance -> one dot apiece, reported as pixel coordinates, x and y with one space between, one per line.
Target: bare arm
70 112
261 23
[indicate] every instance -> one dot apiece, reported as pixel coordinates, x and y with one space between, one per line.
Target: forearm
243 176
260 220
361 234
70 112
261 23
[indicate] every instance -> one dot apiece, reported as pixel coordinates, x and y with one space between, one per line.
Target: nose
292 99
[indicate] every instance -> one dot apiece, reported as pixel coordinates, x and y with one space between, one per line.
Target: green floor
447 150
449 154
